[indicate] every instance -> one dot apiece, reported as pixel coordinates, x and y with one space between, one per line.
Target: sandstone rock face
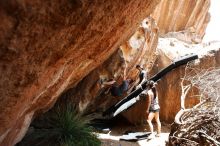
49 46
189 16
92 99
137 113
169 86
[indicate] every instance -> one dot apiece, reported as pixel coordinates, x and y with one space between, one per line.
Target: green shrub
63 127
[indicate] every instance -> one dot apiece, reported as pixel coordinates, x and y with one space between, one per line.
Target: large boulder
49 46
190 28
135 51
92 99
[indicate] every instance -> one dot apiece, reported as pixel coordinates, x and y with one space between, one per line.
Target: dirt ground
112 138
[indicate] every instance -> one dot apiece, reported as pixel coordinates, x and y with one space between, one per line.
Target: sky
213 28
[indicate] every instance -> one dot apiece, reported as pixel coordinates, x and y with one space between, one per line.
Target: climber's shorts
154 111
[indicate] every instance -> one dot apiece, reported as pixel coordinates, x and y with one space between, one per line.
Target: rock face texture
139 49
189 16
169 86
49 46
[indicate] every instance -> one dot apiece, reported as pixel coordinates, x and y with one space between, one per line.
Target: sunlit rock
139 49
49 46
188 16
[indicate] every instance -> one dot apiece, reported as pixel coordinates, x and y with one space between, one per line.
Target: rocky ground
112 138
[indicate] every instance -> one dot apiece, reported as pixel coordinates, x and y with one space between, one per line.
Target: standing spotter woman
153 109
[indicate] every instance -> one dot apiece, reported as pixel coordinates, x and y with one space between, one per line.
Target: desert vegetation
62 126
199 125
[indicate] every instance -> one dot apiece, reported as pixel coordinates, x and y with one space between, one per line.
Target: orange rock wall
190 17
139 49
49 46
179 15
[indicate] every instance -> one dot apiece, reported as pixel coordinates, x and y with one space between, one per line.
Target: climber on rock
118 90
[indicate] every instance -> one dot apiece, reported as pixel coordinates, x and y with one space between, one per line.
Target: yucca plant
62 127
